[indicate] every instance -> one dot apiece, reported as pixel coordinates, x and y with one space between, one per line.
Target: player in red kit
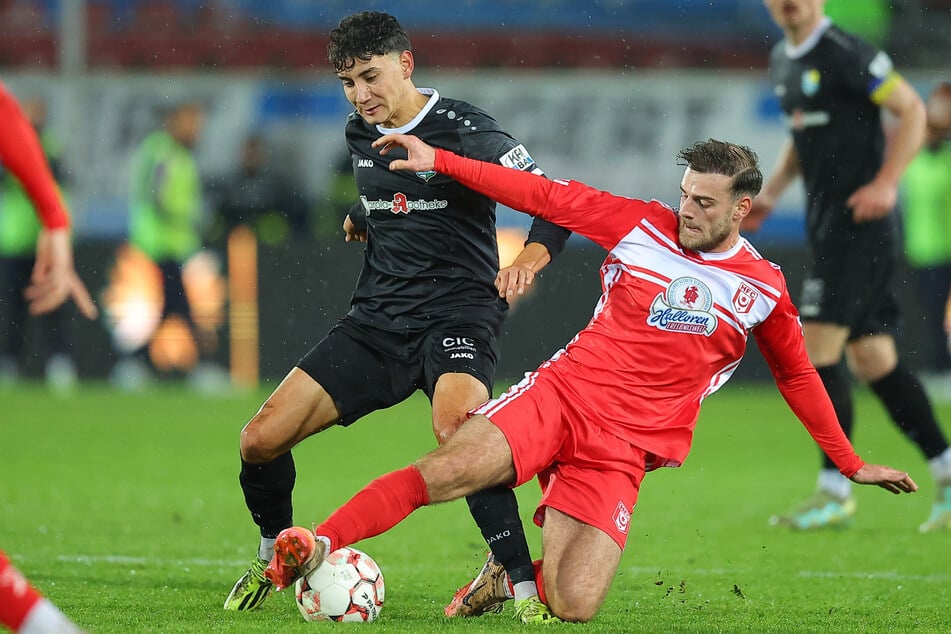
682 292
22 607
24 610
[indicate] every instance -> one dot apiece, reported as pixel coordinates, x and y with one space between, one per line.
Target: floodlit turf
126 511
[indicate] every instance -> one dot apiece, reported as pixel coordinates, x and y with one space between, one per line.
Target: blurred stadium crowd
291 34
598 89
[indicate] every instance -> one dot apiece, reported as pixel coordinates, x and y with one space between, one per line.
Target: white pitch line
889 575
150 561
874 574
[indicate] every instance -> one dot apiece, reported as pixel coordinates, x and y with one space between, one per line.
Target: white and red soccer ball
347 586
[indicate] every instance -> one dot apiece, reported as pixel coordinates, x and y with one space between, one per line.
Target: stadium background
603 91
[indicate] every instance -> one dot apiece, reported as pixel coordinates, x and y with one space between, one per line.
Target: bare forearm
534 256
905 143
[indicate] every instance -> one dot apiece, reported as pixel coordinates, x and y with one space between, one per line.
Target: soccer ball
347 586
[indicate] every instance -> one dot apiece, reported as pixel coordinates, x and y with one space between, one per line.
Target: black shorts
365 369
851 287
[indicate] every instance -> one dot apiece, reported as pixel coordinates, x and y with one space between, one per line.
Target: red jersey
22 154
671 325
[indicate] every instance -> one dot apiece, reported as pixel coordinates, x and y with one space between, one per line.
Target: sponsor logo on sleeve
517 158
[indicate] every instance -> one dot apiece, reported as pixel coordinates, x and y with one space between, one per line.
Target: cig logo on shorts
459 347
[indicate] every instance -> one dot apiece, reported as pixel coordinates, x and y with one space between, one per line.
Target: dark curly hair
362 35
719 157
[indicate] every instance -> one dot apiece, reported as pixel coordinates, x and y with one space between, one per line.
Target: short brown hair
719 157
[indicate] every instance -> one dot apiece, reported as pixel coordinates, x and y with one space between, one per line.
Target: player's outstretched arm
889 479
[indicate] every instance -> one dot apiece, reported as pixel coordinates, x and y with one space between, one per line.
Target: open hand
872 201
54 280
889 479
513 281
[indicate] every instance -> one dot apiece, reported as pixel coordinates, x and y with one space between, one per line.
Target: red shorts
584 472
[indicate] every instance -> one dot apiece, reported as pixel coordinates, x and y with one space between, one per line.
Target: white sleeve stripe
763 286
721 377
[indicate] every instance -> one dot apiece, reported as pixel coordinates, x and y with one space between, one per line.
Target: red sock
17 596
538 581
376 508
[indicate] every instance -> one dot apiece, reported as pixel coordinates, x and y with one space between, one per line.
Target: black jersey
431 254
830 88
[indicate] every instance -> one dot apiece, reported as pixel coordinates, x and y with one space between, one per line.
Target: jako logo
364 162
504 534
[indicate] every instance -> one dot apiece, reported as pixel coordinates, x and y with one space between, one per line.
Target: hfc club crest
622 518
744 298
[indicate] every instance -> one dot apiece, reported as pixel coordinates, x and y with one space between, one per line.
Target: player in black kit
832 86
426 311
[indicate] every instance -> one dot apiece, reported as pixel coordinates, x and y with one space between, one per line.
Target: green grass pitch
126 511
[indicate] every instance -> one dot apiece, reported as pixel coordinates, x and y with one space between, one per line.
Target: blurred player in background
257 196
166 224
832 86
23 608
19 229
682 292
926 207
425 314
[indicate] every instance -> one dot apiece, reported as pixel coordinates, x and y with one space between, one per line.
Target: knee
446 424
870 364
574 602
572 610
257 446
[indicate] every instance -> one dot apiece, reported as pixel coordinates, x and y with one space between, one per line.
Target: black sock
908 405
267 492
495 510
837 384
